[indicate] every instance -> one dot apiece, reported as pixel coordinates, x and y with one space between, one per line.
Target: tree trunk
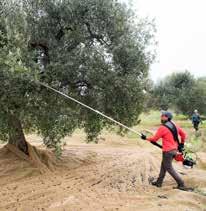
16 134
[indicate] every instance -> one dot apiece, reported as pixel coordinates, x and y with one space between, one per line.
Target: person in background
196 120
168 132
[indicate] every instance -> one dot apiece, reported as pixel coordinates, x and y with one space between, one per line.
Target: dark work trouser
196 125
166 166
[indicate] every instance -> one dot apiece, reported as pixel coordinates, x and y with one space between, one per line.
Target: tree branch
98 37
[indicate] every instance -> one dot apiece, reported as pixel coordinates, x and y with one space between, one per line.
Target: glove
181 147
144 137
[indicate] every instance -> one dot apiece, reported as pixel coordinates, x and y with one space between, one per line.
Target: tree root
43 160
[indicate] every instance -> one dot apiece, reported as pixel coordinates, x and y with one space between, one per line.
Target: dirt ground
112 175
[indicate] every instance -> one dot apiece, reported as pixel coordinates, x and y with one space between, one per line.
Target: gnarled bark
16 134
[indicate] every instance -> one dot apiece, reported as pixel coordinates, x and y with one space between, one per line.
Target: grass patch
2 142
181 117
196 141
200 191
151 118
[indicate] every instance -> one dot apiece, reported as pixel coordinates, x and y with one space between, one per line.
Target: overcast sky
181 33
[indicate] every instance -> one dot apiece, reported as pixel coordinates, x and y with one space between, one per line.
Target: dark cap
167 114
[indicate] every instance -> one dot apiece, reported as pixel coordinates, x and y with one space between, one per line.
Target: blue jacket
196 118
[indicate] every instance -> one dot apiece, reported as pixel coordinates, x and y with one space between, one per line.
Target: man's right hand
181 147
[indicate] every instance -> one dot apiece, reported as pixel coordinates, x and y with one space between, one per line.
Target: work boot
184 188
155 183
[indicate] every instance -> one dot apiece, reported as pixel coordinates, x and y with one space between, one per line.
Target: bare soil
113 175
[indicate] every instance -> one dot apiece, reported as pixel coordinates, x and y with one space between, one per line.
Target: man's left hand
144 137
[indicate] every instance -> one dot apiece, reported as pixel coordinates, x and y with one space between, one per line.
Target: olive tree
182 92
93 50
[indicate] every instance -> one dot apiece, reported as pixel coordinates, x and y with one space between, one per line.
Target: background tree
150 100
182 92
198 98
93 50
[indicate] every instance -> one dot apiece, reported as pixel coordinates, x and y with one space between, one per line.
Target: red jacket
168 142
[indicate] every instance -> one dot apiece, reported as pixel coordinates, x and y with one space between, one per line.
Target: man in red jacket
169 133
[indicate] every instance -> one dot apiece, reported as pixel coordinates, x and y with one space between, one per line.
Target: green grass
151 118
200 192
2 142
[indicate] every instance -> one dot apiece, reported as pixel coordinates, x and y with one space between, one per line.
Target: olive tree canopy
93 50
